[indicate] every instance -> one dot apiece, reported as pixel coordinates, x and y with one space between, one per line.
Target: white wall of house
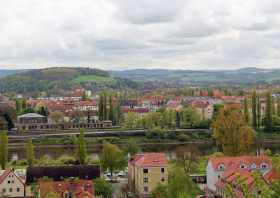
12 186
212 176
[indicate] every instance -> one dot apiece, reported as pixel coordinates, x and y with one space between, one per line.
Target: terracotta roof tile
149 160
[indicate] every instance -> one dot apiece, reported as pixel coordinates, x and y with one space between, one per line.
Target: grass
94 78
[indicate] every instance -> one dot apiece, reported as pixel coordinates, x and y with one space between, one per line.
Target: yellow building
146 171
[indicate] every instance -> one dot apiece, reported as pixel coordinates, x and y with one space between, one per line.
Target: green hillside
58 80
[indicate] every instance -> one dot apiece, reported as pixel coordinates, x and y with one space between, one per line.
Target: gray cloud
125 34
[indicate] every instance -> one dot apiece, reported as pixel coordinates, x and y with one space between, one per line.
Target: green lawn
94 78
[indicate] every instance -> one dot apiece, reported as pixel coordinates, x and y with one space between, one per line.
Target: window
11 190
221 167
18 189
162 170
4 190
9 181
253 166
146 179
264 166
146 189
162 179
13 181
145 170
242 166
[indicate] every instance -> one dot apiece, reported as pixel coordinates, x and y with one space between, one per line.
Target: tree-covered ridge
56 79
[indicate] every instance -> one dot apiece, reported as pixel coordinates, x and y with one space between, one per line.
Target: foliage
132 147
156 133
52 195
57 117
3 149
232 133
187 158
112 158
103 188
246 111
254 109
30 153
189 118
268 112
81 150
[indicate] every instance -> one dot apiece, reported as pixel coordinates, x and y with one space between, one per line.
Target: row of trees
269 119
169 119
109 108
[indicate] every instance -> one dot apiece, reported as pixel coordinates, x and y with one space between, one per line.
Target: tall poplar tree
3 149
246 111
254 109
105 112
30 153
259 112
81 149
111 110
278 106
100 107
273 106
268 112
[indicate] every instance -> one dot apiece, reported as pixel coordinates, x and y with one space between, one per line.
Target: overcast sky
127 34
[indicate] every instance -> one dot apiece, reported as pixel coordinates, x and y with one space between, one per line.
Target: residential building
204 109
225 170
146 171
59 173
67 189
12 184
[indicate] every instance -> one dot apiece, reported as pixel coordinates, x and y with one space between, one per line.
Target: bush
183 137
156 133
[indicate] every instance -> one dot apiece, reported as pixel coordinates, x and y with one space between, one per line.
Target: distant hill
6 72
242 76
62 79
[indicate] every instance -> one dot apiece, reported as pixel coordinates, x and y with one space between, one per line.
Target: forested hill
243 76
7 72
57 80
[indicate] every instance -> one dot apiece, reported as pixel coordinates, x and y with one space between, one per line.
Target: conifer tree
246 111
3 149
81 150
254 109
30 153
268 112
259 113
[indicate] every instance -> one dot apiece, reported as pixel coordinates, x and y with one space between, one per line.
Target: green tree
278 106
189 118
112 158
81 148
105 108
254 109
57 117
259 116
232 133
100 107
52 195
161 191
268 112
111 110
3 149
246 111
103 188
132 147
130 121
30 153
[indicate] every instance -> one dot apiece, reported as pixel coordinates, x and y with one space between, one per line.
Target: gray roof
31 115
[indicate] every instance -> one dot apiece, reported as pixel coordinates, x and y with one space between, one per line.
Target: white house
218 167
12 183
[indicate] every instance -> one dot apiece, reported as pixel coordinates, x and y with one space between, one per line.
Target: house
204 109
67 189
59 173
146 171
12 184
140 111
226 170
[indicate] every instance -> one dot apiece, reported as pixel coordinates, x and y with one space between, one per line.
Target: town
121 127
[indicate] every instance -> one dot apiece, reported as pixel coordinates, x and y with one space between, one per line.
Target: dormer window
264 166
253 166
242 166
221 167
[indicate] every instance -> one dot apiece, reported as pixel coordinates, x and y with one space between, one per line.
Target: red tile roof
135 110
200 104
149 160
234 162
79 188
7 172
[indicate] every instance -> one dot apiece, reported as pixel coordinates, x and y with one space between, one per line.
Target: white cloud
126 34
